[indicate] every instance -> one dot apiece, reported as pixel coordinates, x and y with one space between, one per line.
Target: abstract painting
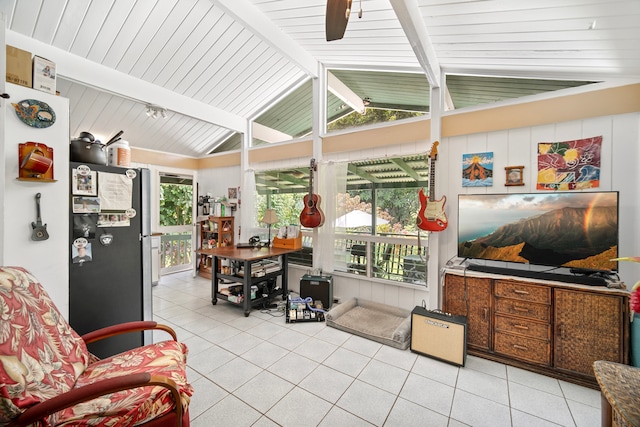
569 165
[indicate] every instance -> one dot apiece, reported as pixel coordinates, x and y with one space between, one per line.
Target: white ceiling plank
146 33
167 31
216 50
74 14
109 26
48 20
191 40
98 76
89 28
245 12
127 34
22 18
176 48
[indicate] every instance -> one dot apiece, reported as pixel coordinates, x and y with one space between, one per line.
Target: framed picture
84 182
514 175
477 170
85 204
232 193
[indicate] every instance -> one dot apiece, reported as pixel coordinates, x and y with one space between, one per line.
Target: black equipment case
318 288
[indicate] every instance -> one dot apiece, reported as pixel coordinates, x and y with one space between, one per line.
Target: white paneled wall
48 260
619 162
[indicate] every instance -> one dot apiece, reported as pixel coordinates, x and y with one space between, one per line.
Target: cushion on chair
131 407
40 355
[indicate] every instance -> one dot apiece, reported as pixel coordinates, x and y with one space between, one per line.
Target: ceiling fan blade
337 18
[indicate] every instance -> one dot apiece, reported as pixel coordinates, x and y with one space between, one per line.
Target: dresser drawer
540 312
528 292
523 327
523 348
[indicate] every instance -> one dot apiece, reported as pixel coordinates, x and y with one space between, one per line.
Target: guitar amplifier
318 288
439 335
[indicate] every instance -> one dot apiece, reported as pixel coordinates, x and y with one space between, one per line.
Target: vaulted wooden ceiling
216 64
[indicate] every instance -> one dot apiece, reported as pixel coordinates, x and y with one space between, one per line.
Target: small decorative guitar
431 216
311 216
39 231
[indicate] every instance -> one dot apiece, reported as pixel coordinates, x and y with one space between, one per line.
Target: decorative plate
35 113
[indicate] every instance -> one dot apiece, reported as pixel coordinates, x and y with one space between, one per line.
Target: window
376 232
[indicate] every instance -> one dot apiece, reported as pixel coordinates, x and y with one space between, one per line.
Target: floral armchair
49 378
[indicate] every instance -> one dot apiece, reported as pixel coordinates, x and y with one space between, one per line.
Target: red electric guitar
431 216
311 216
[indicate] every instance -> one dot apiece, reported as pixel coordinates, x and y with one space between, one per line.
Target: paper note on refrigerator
115 191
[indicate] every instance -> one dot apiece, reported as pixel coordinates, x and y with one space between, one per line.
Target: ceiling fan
337 17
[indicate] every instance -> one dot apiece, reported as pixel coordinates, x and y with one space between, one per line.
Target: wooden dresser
556 329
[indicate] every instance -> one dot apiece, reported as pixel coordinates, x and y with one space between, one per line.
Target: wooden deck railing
175 250
395 258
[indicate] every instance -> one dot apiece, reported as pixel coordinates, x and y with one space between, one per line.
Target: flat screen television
577 230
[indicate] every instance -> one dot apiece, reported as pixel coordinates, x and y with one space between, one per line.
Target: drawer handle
522 309
519 292
523 327
520 347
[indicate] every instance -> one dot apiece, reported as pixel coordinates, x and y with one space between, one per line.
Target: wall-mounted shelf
37 179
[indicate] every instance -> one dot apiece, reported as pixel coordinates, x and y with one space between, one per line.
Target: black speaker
439 335
318 288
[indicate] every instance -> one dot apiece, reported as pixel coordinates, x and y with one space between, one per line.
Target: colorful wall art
569 165
477 170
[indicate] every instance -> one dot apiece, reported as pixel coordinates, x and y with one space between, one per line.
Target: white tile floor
261 371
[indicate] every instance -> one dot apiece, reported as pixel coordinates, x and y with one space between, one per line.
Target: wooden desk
620 387
247 256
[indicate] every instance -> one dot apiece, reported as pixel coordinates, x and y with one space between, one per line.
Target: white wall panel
620 157
48 260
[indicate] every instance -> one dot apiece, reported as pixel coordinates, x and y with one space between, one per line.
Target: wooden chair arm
92 391
124 328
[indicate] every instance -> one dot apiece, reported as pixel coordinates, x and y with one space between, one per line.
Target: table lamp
270 217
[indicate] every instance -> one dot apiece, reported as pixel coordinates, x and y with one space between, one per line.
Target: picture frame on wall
514 175
477 170
232 193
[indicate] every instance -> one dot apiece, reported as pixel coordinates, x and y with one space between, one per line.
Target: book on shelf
262 268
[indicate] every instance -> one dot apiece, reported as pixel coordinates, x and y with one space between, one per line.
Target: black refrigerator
109 252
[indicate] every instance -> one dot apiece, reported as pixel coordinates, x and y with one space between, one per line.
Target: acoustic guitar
431 216
311 216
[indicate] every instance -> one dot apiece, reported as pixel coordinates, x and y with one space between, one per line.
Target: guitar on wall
311 216
39 230
431 216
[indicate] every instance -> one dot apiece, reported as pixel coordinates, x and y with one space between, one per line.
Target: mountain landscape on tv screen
571 237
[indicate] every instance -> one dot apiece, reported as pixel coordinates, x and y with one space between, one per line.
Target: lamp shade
270 217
